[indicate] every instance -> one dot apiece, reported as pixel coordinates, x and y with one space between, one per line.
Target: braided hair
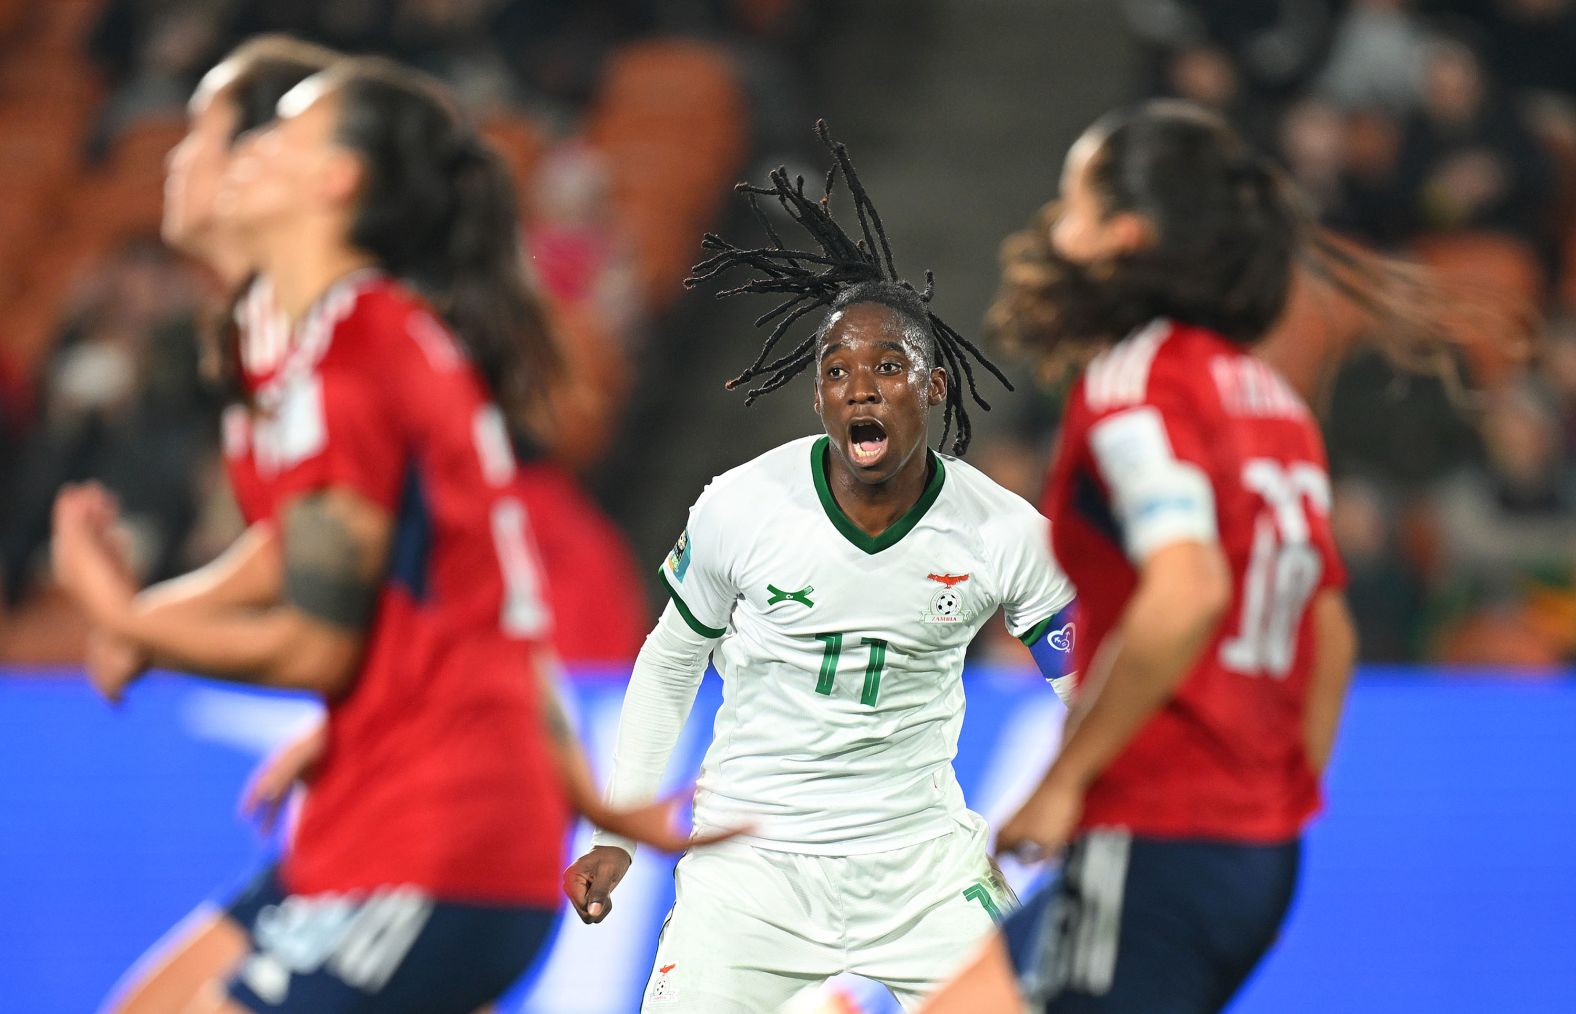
841 272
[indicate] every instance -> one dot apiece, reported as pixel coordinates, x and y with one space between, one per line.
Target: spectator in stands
1559 375
1376 58
153 52
120 400
1512 514
1467 161
1317 145
1532 45
1242 57
1386 593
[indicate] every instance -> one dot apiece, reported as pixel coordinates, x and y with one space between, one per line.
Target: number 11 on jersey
832 653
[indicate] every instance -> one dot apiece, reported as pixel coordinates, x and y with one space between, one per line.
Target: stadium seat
1312 338
13 14
1500 286
670 116
521 143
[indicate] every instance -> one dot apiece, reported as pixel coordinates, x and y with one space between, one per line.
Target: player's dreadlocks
843 272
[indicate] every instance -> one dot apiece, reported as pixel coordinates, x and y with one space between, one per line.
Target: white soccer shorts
751 927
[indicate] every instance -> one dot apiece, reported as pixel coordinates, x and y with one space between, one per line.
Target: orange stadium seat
64 85
23 215
63 25
1312 338
34 142
143 147
521 144
63 258
672 78
670 116
125 195
1500 285
13 13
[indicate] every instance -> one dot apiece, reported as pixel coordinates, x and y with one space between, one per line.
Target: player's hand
589 881
655 825
269 789
1044 824
87 561
112 664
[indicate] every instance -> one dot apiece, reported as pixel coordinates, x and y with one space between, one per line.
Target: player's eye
890 367
835 372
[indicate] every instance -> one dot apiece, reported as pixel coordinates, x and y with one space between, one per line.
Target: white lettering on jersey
1283 568
1120 375
1158 499
493 448
296 429
265 330
1251 388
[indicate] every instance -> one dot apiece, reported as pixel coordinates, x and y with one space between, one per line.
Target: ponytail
1231 228
484 297
437 210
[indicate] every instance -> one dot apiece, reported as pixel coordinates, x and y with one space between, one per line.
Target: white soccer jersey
841 653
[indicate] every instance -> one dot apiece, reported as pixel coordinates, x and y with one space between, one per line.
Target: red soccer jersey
594 588
1176 433
437 772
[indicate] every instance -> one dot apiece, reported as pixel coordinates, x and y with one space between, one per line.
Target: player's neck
228 267
300 272
875 507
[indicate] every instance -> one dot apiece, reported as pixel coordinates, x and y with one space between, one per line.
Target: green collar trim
872 544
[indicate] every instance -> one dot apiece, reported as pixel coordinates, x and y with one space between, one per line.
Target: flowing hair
1230 229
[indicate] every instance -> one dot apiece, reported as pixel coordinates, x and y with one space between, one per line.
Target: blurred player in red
390 567
1192 506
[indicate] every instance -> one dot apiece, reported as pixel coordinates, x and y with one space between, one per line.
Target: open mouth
867 442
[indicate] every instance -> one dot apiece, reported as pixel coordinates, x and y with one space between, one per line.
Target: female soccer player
836 582
1192 503
390 570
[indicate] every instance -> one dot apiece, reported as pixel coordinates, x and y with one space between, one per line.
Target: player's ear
1128 232
817 388
342 177
937 392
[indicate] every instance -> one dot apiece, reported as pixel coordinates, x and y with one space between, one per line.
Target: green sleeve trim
1034 633
684 611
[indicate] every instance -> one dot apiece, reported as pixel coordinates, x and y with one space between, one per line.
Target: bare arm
1334 653
1183 592
661 692
248 574
308 636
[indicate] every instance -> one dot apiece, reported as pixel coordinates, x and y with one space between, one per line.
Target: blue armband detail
1051 642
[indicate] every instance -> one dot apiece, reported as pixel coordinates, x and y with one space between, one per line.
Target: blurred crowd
623 121
1444 130
1441 129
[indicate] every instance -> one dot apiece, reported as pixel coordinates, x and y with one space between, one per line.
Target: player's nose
863 389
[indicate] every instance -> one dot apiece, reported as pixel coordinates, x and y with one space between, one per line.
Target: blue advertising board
1441 877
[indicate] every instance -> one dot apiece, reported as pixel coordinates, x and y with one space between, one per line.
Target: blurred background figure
1441 130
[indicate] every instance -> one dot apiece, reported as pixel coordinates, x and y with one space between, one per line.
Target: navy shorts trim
1150 925
392 950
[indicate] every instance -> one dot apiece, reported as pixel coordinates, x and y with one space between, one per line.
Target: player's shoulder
765 480
376 318
1163 363
985 504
